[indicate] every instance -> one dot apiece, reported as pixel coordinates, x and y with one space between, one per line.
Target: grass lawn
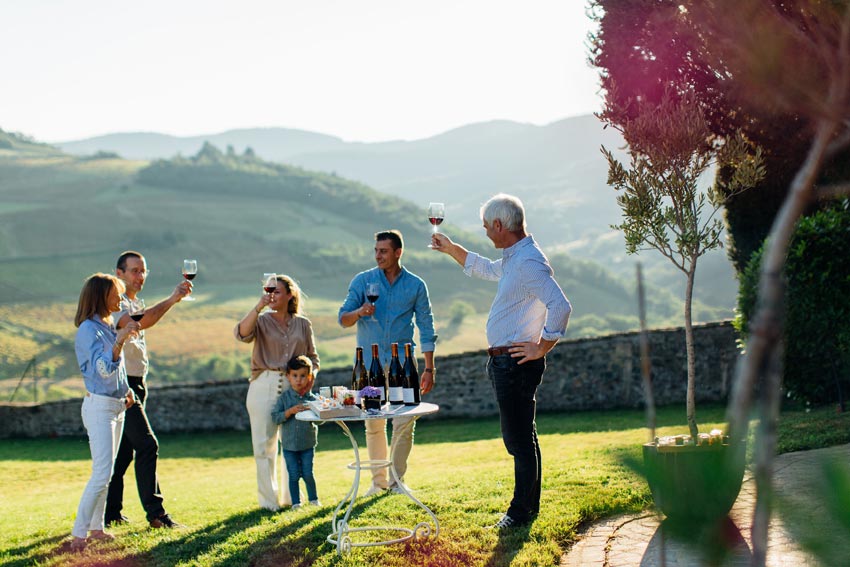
459 468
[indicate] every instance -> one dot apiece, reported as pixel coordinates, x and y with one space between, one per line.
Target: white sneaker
315 502
296 506
373 490
400 488
504 523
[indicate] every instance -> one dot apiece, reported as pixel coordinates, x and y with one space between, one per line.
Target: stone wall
582 374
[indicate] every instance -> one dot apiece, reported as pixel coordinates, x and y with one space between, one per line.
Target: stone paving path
635 540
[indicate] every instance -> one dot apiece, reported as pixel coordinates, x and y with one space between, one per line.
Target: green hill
557 169
64 217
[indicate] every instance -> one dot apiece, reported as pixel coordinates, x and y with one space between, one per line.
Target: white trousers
265 433
402 443
103 418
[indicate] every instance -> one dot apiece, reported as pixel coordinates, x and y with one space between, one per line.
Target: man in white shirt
138 438
529 315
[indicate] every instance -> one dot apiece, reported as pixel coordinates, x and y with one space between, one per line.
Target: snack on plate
327 408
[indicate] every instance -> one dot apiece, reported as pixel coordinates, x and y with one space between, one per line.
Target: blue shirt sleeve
95 362
355 298
425 319
478 266
94 356
280 408
539 279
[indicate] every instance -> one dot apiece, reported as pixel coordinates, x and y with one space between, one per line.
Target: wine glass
373 292
269 282
136 312
436 214
190 270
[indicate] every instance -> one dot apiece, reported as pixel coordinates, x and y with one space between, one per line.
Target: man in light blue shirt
529 315
402 299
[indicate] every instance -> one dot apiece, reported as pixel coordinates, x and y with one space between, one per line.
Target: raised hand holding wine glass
373 292
270 283
436 214
190 270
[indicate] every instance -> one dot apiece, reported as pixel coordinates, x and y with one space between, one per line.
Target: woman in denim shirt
98 347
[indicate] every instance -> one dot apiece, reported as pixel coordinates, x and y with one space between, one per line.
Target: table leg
341 531
340 527
421 531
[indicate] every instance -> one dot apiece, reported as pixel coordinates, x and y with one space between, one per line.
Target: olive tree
664 205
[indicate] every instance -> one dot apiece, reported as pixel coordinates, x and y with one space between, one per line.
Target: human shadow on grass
274 548
510 540
20 556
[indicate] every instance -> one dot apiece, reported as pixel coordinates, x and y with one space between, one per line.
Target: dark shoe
164 521
121 519
78 544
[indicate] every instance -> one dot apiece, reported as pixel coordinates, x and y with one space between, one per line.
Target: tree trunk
766 333
766 324
765 451
689 348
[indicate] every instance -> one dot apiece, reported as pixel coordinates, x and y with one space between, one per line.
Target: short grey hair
507 208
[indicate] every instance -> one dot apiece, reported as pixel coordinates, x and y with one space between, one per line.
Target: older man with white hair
529 315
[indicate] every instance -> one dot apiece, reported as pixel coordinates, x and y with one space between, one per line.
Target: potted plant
671 146
371 397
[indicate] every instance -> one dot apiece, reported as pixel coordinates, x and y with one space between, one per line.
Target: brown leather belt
498 350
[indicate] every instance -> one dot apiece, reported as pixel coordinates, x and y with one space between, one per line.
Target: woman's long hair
294 307
94 297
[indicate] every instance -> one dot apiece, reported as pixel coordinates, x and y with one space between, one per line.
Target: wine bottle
410 389
376 374
395 378
359 377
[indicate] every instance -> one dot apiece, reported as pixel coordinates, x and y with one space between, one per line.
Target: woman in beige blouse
278 335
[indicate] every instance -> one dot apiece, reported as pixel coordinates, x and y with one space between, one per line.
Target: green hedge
817 319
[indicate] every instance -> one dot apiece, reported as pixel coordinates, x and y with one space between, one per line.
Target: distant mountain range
557 170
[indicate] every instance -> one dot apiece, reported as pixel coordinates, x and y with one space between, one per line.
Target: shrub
817 302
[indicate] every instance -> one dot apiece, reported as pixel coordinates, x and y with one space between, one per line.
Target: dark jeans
138 437
299 464
515 386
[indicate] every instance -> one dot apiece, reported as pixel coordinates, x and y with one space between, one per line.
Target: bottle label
396 395
408 395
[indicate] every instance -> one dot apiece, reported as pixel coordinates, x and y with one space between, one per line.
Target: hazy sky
364 70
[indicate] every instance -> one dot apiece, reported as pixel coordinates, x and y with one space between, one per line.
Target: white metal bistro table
341 530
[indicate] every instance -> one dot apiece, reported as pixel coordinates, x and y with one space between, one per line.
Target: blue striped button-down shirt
529 303
395 310
102 375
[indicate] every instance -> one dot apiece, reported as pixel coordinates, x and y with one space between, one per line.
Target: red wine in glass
373 292
190 270
436 214
136 312
269 282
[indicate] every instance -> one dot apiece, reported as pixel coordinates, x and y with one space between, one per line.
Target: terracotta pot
694 483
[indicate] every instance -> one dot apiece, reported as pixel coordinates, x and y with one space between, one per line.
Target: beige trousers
262 395
402 443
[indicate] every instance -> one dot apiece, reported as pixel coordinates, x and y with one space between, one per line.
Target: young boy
299 438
